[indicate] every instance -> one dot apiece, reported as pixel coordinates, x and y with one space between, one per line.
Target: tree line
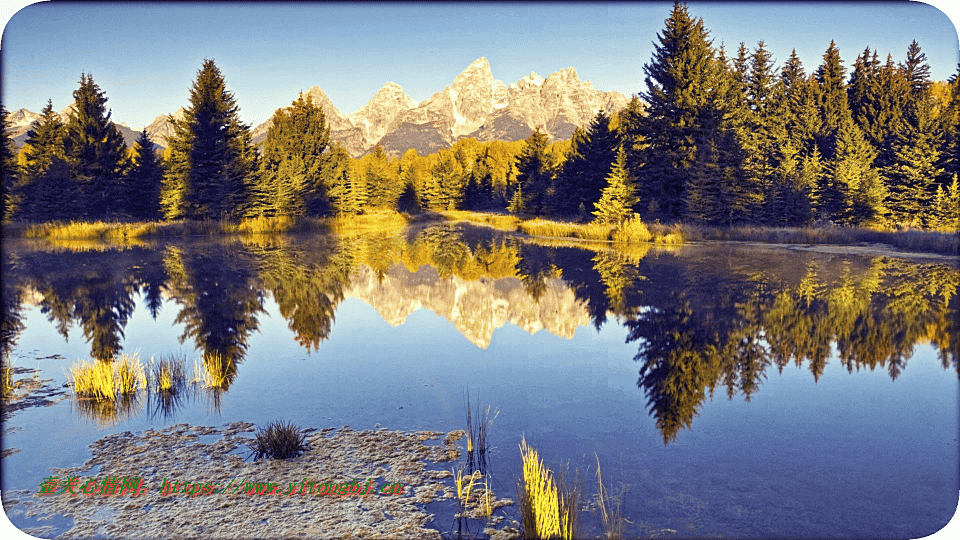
716 138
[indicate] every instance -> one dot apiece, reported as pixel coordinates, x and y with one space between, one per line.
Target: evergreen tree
947 207
801 117
951 146
533 174
293 161
338 180
445 187
383 179
856 191
144 180
618 198
892 97
678 92
916 72
212 166
46 190
583 174
95 151
912 178
9 170
763 139
833 104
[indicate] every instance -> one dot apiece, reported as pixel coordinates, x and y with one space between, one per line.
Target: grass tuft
6 381
279 441
109 381
544 511
477 445
611 514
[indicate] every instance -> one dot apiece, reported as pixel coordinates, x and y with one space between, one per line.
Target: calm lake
728 390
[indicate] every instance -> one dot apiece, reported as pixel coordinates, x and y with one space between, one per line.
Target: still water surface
731 391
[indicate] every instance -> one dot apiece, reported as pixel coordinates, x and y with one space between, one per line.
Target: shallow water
730 391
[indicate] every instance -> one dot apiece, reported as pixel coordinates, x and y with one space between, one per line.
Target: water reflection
702 318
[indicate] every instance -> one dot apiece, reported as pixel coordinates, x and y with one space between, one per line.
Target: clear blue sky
145 56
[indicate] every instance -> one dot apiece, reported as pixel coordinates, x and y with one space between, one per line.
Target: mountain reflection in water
702 317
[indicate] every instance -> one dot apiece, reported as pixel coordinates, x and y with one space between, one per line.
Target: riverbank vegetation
751 152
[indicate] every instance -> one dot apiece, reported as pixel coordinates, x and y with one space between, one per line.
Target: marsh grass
611 509
544 510
108 381
375 221
168 385
477 427
107 391
6 381
632 230
503 222
213 371
279 441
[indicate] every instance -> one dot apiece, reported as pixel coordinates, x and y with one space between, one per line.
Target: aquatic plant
279 441
215 371
544 512
477 445
168 375
107 381
610 509
6 380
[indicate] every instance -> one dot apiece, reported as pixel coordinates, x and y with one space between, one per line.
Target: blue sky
145 56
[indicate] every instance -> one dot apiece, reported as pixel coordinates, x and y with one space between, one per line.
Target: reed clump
477 427
109 381
279 440
545 512
631 230
168 375
611 509
215 371
584 231
6 381
503 222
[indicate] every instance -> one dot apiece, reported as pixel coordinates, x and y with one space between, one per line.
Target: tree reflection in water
702 318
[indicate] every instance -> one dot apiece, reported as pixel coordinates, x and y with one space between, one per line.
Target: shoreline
831 239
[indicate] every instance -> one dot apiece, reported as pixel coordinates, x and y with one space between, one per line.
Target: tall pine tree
294 160
46 189
96 152
9 170
583 174
679 91
211 173
144 179
617 199
533 176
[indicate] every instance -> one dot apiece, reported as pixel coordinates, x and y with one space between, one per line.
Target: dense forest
718 137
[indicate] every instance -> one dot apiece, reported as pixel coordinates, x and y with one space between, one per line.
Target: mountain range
474 105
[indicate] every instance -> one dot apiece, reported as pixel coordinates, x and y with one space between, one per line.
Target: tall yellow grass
504 222
109 381
380 221
6 381
632 230
542 510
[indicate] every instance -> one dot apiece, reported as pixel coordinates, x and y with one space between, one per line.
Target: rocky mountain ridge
473 105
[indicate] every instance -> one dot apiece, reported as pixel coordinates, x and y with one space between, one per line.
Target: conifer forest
715 136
